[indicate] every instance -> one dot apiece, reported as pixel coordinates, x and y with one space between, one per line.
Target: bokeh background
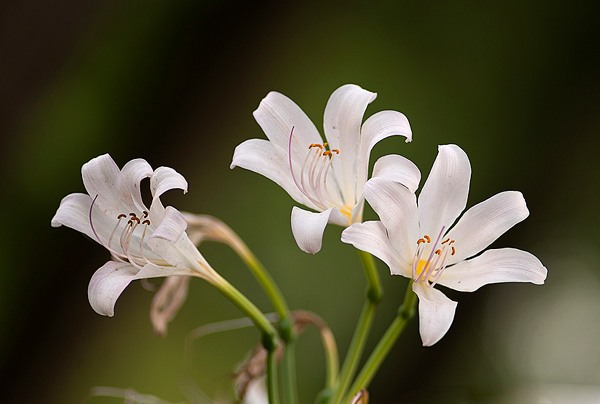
515 84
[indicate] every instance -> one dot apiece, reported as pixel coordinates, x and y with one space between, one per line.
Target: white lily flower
144 243
326 177
415 239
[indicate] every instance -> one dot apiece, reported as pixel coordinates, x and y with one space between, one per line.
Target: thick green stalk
269 335
354 351
266 282
375 291
289 372
405 312
272 392
363 327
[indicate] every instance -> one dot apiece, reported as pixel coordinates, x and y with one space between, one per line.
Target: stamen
314 174
445 241
453 250
129 233
430 264
146 223
120 217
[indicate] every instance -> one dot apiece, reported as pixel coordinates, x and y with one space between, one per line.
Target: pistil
431 270
314 174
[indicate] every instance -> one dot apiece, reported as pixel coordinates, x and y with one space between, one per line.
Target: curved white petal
436 313
262 157
308 228
111 279
494 266
397 209
74 212
377 127
399 169
342 121
444 195
164 179
101 178
357 211
170 242
372 237
277 114
485 222
172 226
132 174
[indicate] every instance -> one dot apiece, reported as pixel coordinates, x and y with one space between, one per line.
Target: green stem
269 335
405 312
265 280
285 328
289 371
357 344
375 291
272 379
354 350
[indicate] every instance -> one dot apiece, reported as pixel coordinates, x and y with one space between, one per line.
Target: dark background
515 84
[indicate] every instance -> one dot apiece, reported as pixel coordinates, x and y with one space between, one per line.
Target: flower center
314 174
128 251
430 260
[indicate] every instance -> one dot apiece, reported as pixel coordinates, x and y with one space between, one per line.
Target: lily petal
397 209
308 227
436 313
399 169
101 177
494 266
444 195
372 237
170 242
74 212
342 121
378 127
110 280
485 222
165 179
132 174
262 157
277 114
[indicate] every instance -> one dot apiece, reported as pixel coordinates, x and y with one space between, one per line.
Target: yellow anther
438 252
336 151
419 241
445 241
426 237
121 216
327 153
453 251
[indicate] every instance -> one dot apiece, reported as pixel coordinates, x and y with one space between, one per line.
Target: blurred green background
515 84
